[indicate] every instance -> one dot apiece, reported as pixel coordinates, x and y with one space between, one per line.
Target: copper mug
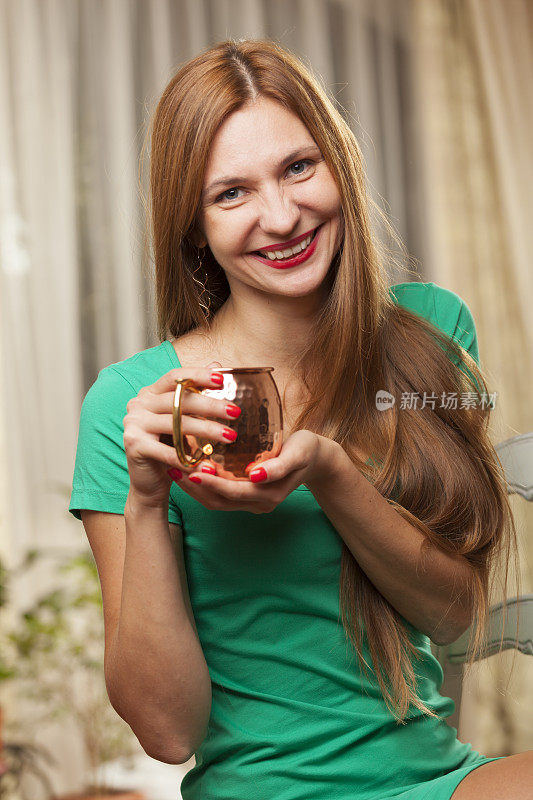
259 426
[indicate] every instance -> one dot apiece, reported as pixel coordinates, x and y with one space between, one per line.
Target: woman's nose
279 213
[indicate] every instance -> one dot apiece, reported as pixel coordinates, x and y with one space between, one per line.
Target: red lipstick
295 260
284 245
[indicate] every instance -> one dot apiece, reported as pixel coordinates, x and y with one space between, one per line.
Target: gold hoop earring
204 296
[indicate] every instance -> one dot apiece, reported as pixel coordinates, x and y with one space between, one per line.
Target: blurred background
438 93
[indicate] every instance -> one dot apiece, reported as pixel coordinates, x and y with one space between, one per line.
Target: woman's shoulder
121 380
425 296
105 403
140 369
443 307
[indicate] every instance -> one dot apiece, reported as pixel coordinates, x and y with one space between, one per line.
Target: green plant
18 758
52 652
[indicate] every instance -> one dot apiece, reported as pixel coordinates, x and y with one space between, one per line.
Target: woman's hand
303 455
149 417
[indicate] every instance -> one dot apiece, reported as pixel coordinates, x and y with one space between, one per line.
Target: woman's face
267 184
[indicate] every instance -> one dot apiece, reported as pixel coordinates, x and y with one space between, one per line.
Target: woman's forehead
256 123
264 131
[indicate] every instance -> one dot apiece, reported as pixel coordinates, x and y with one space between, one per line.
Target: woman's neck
274 337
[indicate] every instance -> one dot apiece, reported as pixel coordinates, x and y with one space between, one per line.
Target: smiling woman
265 215
372 528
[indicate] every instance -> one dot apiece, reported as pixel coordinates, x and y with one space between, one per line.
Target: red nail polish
209 468
257 475
195 478
175 474
227 433
217 377
233 411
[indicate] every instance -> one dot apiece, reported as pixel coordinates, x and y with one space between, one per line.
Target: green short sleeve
101 478
447 311
453 316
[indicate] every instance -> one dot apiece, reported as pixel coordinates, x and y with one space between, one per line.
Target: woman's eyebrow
228 180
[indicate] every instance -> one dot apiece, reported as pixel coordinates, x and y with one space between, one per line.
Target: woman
224 639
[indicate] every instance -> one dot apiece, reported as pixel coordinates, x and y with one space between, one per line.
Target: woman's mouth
291 256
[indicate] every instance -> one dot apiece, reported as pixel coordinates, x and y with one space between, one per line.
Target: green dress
293 717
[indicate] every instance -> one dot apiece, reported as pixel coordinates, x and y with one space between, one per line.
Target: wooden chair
516 456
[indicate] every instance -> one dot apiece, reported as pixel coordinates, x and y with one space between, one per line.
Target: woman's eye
225 196
304 161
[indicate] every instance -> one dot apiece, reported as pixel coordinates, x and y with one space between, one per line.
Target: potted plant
52 652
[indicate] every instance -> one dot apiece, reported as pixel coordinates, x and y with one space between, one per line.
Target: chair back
510 626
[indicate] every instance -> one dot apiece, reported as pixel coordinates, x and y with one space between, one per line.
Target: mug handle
207 449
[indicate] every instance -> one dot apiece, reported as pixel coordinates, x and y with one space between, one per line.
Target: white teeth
274 255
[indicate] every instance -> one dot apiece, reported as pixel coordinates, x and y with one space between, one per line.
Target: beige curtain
444 139
472 73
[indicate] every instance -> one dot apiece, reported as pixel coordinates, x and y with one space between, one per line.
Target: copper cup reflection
259 426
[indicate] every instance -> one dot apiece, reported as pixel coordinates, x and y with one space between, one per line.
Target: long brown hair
437 467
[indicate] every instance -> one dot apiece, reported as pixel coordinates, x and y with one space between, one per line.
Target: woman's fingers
242 491
201 376
209 498
143 448
201 404
219 493
201 428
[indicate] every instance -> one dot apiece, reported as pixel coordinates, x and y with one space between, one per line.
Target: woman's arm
155 671
427 592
